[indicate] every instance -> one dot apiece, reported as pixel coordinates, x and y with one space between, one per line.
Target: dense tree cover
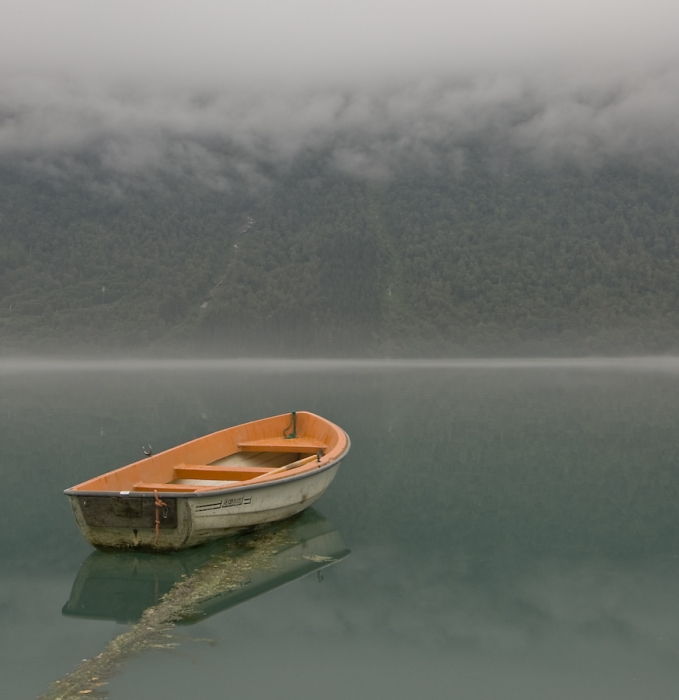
512 258
491 254
85 267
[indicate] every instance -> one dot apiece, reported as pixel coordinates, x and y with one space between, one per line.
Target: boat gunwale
216 492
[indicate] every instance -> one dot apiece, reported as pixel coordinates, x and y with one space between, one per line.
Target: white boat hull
204 517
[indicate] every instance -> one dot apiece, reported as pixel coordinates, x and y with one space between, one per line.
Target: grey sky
204 42
157 83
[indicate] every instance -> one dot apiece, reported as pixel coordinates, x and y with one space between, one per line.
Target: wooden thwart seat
178 488
282 445
214 475
206 473
203 471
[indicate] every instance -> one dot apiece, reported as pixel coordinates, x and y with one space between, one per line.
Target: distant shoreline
650 363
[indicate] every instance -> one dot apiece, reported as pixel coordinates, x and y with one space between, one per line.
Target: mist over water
10 366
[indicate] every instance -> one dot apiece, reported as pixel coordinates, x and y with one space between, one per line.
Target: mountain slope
496 254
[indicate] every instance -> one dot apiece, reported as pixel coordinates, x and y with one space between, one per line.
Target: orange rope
159 504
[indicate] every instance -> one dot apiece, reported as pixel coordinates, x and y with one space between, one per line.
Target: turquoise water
497 531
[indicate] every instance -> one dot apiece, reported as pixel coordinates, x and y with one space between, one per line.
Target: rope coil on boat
159 504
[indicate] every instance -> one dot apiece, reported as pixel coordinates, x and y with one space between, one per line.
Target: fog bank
62 127
215 92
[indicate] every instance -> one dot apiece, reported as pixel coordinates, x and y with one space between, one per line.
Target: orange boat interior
261 451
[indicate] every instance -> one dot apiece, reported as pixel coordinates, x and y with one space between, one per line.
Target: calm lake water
498 530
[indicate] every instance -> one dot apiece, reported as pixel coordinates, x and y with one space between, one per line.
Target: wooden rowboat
217 485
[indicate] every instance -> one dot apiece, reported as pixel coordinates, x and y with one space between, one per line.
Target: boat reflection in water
120 586
155 592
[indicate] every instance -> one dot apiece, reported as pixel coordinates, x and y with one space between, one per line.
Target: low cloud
217 91
216 135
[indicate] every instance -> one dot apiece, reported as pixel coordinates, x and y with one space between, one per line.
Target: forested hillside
84 267
485 253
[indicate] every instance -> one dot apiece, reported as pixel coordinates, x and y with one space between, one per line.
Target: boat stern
127 521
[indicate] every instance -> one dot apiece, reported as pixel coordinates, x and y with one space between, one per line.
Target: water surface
512 528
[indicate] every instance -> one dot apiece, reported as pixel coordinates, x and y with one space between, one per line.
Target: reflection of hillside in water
158 591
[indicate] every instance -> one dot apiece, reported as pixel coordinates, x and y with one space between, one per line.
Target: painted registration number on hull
236 501
226 503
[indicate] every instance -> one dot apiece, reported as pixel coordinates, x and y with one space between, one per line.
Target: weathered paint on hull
204 518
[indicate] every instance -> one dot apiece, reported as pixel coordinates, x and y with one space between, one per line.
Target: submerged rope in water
222 573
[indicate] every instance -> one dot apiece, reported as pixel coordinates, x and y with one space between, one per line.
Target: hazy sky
151 83
265 42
